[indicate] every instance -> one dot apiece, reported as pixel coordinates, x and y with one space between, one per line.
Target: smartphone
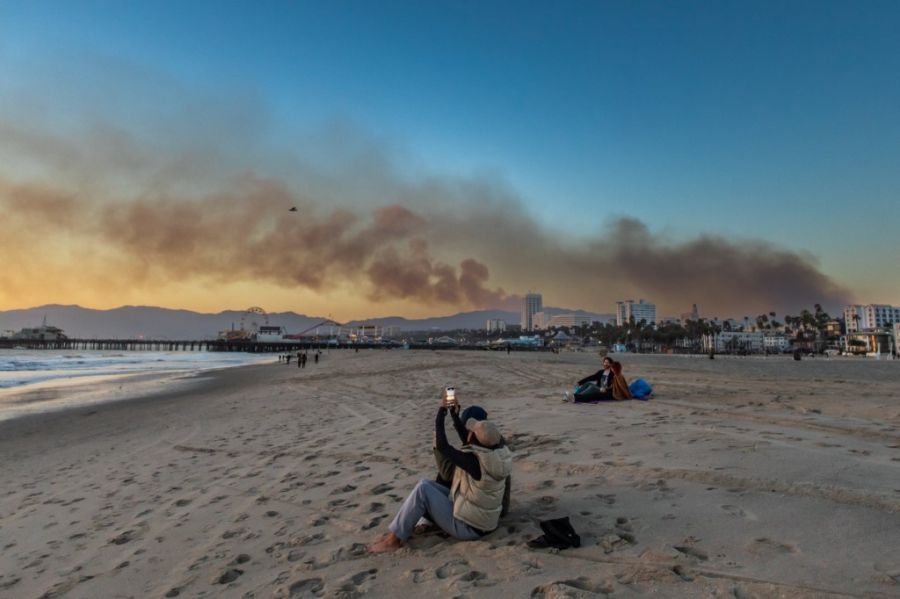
451 395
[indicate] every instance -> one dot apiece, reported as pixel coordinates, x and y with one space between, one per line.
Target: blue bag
640 389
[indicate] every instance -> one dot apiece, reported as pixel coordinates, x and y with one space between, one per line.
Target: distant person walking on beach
316 357
288 357
608 383
471 508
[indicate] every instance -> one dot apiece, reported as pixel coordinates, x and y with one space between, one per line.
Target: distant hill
165 323
463 320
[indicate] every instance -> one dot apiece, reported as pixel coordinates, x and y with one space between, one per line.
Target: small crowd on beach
302 358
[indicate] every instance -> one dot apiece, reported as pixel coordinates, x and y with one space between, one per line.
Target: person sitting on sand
607 383
471 507
446 467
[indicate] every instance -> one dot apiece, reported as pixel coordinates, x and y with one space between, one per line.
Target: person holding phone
446 467
471 507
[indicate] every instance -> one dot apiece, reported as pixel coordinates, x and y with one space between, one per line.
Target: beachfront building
640 310
495 325
870 316
776 343
532 304
735 342
44 332
566 320
875 342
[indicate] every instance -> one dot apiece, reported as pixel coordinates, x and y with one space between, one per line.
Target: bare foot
385 544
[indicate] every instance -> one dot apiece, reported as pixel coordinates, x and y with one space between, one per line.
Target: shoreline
158 388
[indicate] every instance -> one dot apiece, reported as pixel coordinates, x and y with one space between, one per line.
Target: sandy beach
753 477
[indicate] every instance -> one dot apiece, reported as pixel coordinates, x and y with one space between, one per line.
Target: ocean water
20 369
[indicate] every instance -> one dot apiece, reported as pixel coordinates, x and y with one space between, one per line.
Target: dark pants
590 392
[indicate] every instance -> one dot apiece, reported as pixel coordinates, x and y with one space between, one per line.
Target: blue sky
777 121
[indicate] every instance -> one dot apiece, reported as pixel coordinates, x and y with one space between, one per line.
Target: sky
449 156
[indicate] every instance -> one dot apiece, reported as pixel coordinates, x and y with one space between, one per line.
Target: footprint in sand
417 575
452 568
692 551
380 489
767 546
309 540
374 522
360 577
229 575
475 578
123 538
310 587
733 510
228 534
354 551
531 568
578 587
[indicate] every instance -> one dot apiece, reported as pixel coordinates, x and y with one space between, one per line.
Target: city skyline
444 159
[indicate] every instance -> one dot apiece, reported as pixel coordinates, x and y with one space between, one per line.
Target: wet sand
754 477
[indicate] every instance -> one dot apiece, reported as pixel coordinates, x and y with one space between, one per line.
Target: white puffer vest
478 503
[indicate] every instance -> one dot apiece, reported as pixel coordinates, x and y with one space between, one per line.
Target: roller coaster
255 324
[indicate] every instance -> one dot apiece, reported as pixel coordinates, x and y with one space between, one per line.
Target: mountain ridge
175 323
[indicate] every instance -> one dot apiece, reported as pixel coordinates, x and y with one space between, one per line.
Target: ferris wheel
253 318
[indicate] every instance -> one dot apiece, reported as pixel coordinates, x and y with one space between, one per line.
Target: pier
108 344
221 345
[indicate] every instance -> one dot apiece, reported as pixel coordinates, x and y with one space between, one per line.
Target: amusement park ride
255 327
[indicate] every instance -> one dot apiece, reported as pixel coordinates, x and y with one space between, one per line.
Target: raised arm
460 459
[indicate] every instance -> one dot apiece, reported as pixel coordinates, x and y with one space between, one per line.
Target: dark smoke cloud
363 220
748 276
249 235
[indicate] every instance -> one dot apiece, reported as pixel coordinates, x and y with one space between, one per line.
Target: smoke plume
362 222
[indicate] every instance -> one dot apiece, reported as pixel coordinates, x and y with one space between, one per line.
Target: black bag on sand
558 533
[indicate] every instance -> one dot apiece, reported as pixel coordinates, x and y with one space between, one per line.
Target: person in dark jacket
471 507
605 384
446 466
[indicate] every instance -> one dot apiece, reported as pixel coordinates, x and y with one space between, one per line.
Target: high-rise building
870 316
640 310
495 325
531 305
